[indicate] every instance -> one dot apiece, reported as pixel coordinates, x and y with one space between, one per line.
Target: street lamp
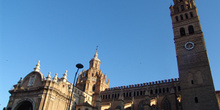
79 66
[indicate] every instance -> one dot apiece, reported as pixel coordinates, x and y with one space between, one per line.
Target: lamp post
79 66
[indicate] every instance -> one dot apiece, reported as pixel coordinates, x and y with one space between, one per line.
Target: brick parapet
144 84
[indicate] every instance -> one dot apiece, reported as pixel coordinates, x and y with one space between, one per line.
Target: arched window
78 108
182 7
191 29
166 105
86 109
93 88
191 14
84 87
186 15
196 100
182 32
177 19
181 17
25 105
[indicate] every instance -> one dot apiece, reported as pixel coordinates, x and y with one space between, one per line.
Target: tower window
192 82
191 14
177 10
84 87
196 100
182 7
191 29
181 17
151 91
186 15
93 88
182 32
177 19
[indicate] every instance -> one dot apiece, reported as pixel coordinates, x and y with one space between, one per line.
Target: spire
55 78
37 68
96 54
49 77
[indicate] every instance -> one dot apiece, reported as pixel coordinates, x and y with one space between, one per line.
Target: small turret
64 78
48 77
55 78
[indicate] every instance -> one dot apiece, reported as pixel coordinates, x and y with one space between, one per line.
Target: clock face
189 45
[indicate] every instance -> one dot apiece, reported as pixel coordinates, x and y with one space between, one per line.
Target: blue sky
135 39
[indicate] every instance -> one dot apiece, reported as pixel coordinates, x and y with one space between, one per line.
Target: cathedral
193 90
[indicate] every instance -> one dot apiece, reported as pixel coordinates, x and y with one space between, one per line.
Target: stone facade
193 90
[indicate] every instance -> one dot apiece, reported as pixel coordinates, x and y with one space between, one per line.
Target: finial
37 68
20 81
96 53
64 76
49 77
55 78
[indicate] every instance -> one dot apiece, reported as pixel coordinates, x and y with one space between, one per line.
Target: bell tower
197 88
92 81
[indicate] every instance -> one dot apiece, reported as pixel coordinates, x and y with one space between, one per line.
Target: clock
189 45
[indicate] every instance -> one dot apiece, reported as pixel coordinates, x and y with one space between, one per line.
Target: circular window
189 45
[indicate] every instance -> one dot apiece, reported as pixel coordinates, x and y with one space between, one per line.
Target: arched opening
196 100
166 105
177 19
25 105
186 15
84 87
182 7
182 32
191 29
93 88
181 17
191 14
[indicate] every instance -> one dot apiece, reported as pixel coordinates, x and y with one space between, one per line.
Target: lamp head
79 66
